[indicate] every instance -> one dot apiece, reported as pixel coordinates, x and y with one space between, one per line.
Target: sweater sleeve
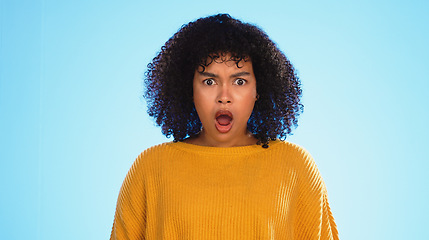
328 226
130 216
314 218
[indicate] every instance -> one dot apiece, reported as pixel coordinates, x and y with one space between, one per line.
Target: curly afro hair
169 78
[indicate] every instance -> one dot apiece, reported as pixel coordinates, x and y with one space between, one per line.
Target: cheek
201 103
248 100
251 103
196 96
250 107
199 99
246 106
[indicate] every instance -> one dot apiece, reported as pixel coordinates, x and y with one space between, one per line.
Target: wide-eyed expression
224 97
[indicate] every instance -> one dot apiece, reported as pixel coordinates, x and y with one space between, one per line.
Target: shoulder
297 156
151 156
155 150
291 151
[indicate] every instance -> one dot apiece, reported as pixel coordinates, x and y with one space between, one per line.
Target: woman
227 95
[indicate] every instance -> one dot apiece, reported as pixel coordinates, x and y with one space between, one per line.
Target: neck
203 139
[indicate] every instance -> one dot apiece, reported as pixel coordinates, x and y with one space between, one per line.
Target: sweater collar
243 150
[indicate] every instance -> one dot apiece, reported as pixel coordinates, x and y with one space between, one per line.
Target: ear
257 97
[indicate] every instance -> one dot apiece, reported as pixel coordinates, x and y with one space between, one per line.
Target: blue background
73 119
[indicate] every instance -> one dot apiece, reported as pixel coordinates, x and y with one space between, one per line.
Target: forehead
226 59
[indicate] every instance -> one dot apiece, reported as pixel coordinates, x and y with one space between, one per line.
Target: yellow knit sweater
185 191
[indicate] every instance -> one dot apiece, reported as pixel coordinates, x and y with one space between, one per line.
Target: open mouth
223 121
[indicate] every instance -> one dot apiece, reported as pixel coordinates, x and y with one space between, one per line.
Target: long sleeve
130 221
328 228
314 219
179 191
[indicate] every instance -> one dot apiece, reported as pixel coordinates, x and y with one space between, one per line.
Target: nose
224 96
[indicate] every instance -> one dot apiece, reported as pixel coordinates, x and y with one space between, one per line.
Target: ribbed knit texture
185 191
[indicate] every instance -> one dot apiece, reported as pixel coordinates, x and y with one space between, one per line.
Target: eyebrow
239 74
207 74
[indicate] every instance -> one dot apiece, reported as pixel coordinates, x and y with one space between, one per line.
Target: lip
223 128
223 112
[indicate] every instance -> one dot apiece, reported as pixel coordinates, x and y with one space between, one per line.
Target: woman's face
224 97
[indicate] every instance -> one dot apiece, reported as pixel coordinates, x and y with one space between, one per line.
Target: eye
240 82
209 82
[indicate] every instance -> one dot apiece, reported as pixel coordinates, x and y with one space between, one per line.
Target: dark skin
224 87
215 39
